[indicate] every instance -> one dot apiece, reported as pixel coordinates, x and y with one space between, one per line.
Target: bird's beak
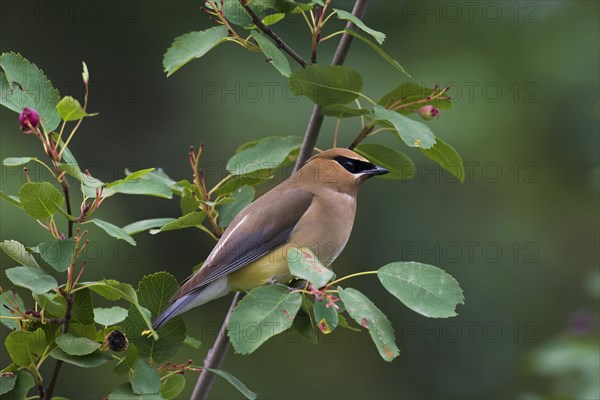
377 171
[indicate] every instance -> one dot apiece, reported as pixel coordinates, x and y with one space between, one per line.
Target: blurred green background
521 235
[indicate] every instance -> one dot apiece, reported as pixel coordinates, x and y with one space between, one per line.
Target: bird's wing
258 229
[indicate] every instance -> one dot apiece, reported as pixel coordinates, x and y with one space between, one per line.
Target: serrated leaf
235 382
59 254
73 170
399 165
327 84
410 92
192 45
379 51
188 202
19 253
345 15
343 111
25 347
70 109
34 279
23 84
172 386
242 197
423 288
445 155
92 360
305 265
22 385
76 346
326 316
275 56
154 292
108 316
83 307
363 311
147 224
413 133
263 313
186 221
4 312
263 155
16 161
40 199
113 230
145 379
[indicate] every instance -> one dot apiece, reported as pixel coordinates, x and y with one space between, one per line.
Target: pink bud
429 112
29 118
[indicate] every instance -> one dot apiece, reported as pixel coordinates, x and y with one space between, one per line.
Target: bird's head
339 168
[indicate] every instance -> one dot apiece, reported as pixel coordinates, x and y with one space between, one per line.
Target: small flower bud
429 112
116 341
29 118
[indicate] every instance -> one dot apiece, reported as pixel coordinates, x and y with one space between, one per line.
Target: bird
315 208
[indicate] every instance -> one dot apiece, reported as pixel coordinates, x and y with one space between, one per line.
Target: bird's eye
348 164
353 166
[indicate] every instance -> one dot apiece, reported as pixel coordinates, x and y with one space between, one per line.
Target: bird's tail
173 310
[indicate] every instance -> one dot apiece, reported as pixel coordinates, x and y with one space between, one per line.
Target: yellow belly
271 266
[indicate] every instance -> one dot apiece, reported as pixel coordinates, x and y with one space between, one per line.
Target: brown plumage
313 208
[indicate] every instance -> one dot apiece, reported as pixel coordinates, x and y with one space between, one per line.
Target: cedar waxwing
313 208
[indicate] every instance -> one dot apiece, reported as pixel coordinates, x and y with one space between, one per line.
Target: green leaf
413 133
346 16
154 292
186 221
21 388
19 253
4 312
235 382
423 288
192 45
76 346
263 155
131 176
172 386
363 311
16 161
23 84
73 170
83 307
33 279
242 197
304 321
379 51
342 322
52 304
142 183
263 313
147 224
305 265
59 254
188 202
69 109
445 155
410 92
325 316
14 200
275 56
25 347
93 360
125 392
127 363
145 379
40 199
343 111
399 165
7 382
327 84
192 342
236 182
109 316
113 230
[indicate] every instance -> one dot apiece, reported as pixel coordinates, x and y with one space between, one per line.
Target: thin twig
361 135
278 41
217 352
316 119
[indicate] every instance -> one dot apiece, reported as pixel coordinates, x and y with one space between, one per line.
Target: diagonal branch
278 41
217 352
316 119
